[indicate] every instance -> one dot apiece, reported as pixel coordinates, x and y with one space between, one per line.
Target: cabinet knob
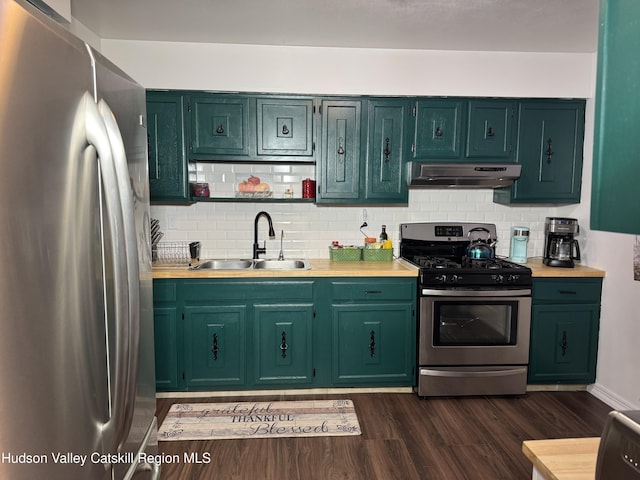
490 132
220 129
438 132
285 130
340 147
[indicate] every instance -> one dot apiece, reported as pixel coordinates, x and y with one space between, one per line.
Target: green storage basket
377 254
345 254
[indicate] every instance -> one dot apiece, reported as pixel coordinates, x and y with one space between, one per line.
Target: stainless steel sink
224 265
238 264
281 265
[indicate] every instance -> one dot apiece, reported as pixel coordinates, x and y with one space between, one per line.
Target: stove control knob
441 278
455 278
498 278
513 278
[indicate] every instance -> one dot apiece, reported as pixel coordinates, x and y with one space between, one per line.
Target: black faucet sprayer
257 250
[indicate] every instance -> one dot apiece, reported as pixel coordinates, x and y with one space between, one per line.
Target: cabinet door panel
282 343
166 347
372 343
616 167
215 345
385 165
564 343
438 130
168 178
340 165
219 125
550 150
490 133
285 127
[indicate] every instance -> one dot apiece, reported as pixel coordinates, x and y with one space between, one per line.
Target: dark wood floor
403 437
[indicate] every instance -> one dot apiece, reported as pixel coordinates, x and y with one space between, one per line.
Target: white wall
226 229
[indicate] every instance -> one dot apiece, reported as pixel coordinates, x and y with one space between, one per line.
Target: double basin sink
239 264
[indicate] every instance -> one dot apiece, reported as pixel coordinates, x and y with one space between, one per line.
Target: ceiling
473 25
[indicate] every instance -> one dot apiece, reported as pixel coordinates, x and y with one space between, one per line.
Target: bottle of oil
383 234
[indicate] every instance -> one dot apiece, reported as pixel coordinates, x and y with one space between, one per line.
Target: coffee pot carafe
560 246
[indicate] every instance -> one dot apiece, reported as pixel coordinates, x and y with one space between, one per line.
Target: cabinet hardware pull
372 292
372 343
564 345
567 292
387 150
549 152
285 130
214 347
220 129
340 147
491 133
283 344
438 132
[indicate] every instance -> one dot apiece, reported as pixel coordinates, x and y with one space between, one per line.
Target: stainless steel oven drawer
476 380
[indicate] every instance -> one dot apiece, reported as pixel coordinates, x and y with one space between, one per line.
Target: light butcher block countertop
320 267
323 267
564 458
539 269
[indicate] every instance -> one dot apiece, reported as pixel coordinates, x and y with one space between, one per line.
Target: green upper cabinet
385 173
550 143
438 129
616 163
362 157
168 176
340 162
219 126
490 132
284 127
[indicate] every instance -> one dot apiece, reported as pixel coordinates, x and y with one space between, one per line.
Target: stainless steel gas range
474 314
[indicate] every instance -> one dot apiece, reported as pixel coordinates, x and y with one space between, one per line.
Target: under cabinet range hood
463 175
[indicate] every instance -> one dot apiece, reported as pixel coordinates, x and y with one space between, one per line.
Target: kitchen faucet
257 250
281 256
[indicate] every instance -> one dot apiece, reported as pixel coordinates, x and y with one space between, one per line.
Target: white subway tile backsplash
226 228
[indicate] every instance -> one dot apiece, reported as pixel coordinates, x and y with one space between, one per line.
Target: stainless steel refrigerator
77 391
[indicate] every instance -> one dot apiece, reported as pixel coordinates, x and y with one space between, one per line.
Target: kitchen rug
217 421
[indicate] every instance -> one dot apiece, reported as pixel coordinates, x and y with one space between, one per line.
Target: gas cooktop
439 250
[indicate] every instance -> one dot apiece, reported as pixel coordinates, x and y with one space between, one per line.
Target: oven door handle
431 292
470 373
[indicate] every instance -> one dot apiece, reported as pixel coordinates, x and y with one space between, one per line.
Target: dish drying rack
171 253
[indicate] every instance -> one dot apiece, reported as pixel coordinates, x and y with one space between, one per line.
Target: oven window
475 323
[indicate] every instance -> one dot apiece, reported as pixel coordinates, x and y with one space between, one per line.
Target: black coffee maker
560 246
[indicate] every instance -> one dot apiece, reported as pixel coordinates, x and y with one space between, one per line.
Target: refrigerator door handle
131 255
97 136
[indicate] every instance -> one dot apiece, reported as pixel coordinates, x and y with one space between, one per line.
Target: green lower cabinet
215 345
565 324
165 320
372 344
565 341
278 333
282 336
